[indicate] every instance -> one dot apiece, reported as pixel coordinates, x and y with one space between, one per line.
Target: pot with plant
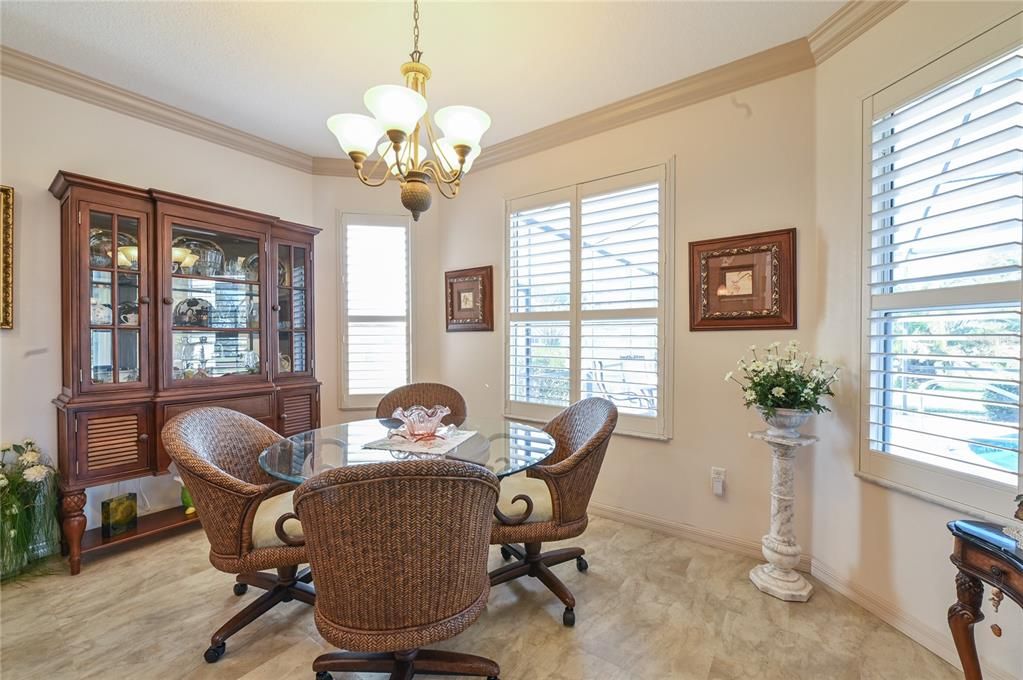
785 385
28 507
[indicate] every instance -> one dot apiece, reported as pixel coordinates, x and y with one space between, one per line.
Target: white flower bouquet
776 378
28 506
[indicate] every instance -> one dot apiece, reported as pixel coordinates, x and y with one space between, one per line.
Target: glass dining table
504 447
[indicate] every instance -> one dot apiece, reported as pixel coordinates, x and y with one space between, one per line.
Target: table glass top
503 447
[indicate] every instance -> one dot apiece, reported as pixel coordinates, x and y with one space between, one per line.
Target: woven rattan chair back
424 394
399 551
216 451
581 434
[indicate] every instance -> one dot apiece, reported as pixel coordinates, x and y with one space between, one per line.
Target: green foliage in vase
28 506
778 378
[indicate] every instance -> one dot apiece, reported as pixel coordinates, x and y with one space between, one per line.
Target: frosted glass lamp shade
355 132
396 107
462 124
446 150
386 151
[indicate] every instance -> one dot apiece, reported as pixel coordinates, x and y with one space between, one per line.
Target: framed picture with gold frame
743 282
469 297
6 257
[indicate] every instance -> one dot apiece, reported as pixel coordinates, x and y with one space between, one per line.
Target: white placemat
437 446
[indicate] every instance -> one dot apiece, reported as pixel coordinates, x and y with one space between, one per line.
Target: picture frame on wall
469 299
6 257
743 282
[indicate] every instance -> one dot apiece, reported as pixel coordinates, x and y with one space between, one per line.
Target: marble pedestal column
778 577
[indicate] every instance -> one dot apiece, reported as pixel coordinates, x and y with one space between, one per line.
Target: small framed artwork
743 282
6 257
470 299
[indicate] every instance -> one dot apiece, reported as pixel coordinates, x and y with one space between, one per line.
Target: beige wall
335 195
892 547
744 163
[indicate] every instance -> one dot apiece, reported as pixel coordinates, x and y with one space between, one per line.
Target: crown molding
836 32
333 167
853 20
761 67
29 69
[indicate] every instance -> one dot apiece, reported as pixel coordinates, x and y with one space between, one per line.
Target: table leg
961 618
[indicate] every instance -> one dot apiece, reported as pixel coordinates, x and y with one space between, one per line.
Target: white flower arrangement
28 506
786 378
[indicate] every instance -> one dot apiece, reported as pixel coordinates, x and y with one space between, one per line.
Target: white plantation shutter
375 295
586 312
945 245
620 234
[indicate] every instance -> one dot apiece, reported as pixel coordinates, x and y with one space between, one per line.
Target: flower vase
785 422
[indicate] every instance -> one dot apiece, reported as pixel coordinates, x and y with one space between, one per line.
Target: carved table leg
73 523
962 616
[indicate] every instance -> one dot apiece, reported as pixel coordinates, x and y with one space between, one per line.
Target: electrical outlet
717 480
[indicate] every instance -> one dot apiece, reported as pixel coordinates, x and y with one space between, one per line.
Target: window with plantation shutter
587 271
945 247
375 300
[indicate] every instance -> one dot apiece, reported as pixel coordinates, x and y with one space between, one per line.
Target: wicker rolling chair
556 494
216 451
424 394
400 556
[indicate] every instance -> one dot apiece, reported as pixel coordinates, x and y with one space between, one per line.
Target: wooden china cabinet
170 303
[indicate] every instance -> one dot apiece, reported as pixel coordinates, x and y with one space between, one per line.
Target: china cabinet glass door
214 305
291 307
116 304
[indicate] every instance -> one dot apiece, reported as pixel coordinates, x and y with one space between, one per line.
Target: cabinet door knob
168 301
284 416
276 308
144 300
143 437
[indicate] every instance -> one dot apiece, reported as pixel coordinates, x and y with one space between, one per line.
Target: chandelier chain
416 52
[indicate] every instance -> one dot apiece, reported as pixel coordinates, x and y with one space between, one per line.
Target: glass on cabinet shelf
214 354
210 254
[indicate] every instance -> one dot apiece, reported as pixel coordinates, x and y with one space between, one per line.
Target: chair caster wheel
241 588
324 675
213 654
569 617
581 564
505 553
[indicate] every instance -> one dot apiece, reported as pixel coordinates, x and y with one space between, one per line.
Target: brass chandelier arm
445 188
445 174
368 179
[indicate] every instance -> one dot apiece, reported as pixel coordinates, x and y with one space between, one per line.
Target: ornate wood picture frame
469 297
6 257
743 282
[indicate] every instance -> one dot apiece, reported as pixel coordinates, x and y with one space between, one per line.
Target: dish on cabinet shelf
193 312
204 258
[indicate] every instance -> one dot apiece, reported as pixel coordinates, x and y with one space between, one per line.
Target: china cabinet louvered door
170 303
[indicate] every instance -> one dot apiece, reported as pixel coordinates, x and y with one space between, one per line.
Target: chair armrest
286 538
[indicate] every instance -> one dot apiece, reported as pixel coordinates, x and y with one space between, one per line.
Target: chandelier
399 112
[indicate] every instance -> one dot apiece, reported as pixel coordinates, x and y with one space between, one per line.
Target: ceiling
279 70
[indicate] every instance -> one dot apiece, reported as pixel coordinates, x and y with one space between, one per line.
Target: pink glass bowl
421 422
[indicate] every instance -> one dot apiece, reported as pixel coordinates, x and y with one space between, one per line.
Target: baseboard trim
937 641
714 539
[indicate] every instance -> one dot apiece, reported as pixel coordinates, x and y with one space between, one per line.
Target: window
945 246
375 307
587 268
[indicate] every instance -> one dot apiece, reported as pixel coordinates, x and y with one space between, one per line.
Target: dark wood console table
983 554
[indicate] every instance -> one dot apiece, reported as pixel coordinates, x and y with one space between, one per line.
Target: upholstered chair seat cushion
536 489
264 533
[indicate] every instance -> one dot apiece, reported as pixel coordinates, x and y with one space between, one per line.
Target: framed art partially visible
6 257
469 297
743 282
